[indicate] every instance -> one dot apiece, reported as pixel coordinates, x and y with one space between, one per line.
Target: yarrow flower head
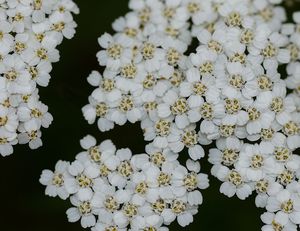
112 188
30 31
228 92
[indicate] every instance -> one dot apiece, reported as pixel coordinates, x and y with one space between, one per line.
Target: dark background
23 203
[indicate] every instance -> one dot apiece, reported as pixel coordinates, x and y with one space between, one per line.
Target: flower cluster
228 91
30 31
112 189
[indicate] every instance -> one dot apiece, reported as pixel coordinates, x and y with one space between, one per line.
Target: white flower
121 163
8 119
265 188
7 139
98 109
19 16
286 205
161 180
125 109
204 60
227 152
272 53
159 156
81 181
188 183
252 163
37 52
199 11
158 131
40 9
260 117
178 139
18 78
292 131
35 110
84 211
63 23
234 78
234 182
116 53
234 13
180 211
31 134
55 181
275 221
40 73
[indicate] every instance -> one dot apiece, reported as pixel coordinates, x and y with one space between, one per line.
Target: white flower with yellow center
265 188
84 211
30 133
127 108
188 183
179 139
159 156
230 84
92 152
199 11
36 111
273 53
287 206
98 108
176 106
116 51
82 180
62 23
234 78
37 52
161 180
227 152
121 166
158 131
253 163
40 73
274 222
260 117
19 15
233 105
213 41
180 210
204 60
234 182
113 190
291 129
17 77
109 226
41 8
55 181
7 139
234 13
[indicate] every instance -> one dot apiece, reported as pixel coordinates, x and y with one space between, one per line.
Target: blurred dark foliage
23 203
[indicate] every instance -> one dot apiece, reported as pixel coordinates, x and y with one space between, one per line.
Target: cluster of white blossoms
113 190
30 31
228 91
